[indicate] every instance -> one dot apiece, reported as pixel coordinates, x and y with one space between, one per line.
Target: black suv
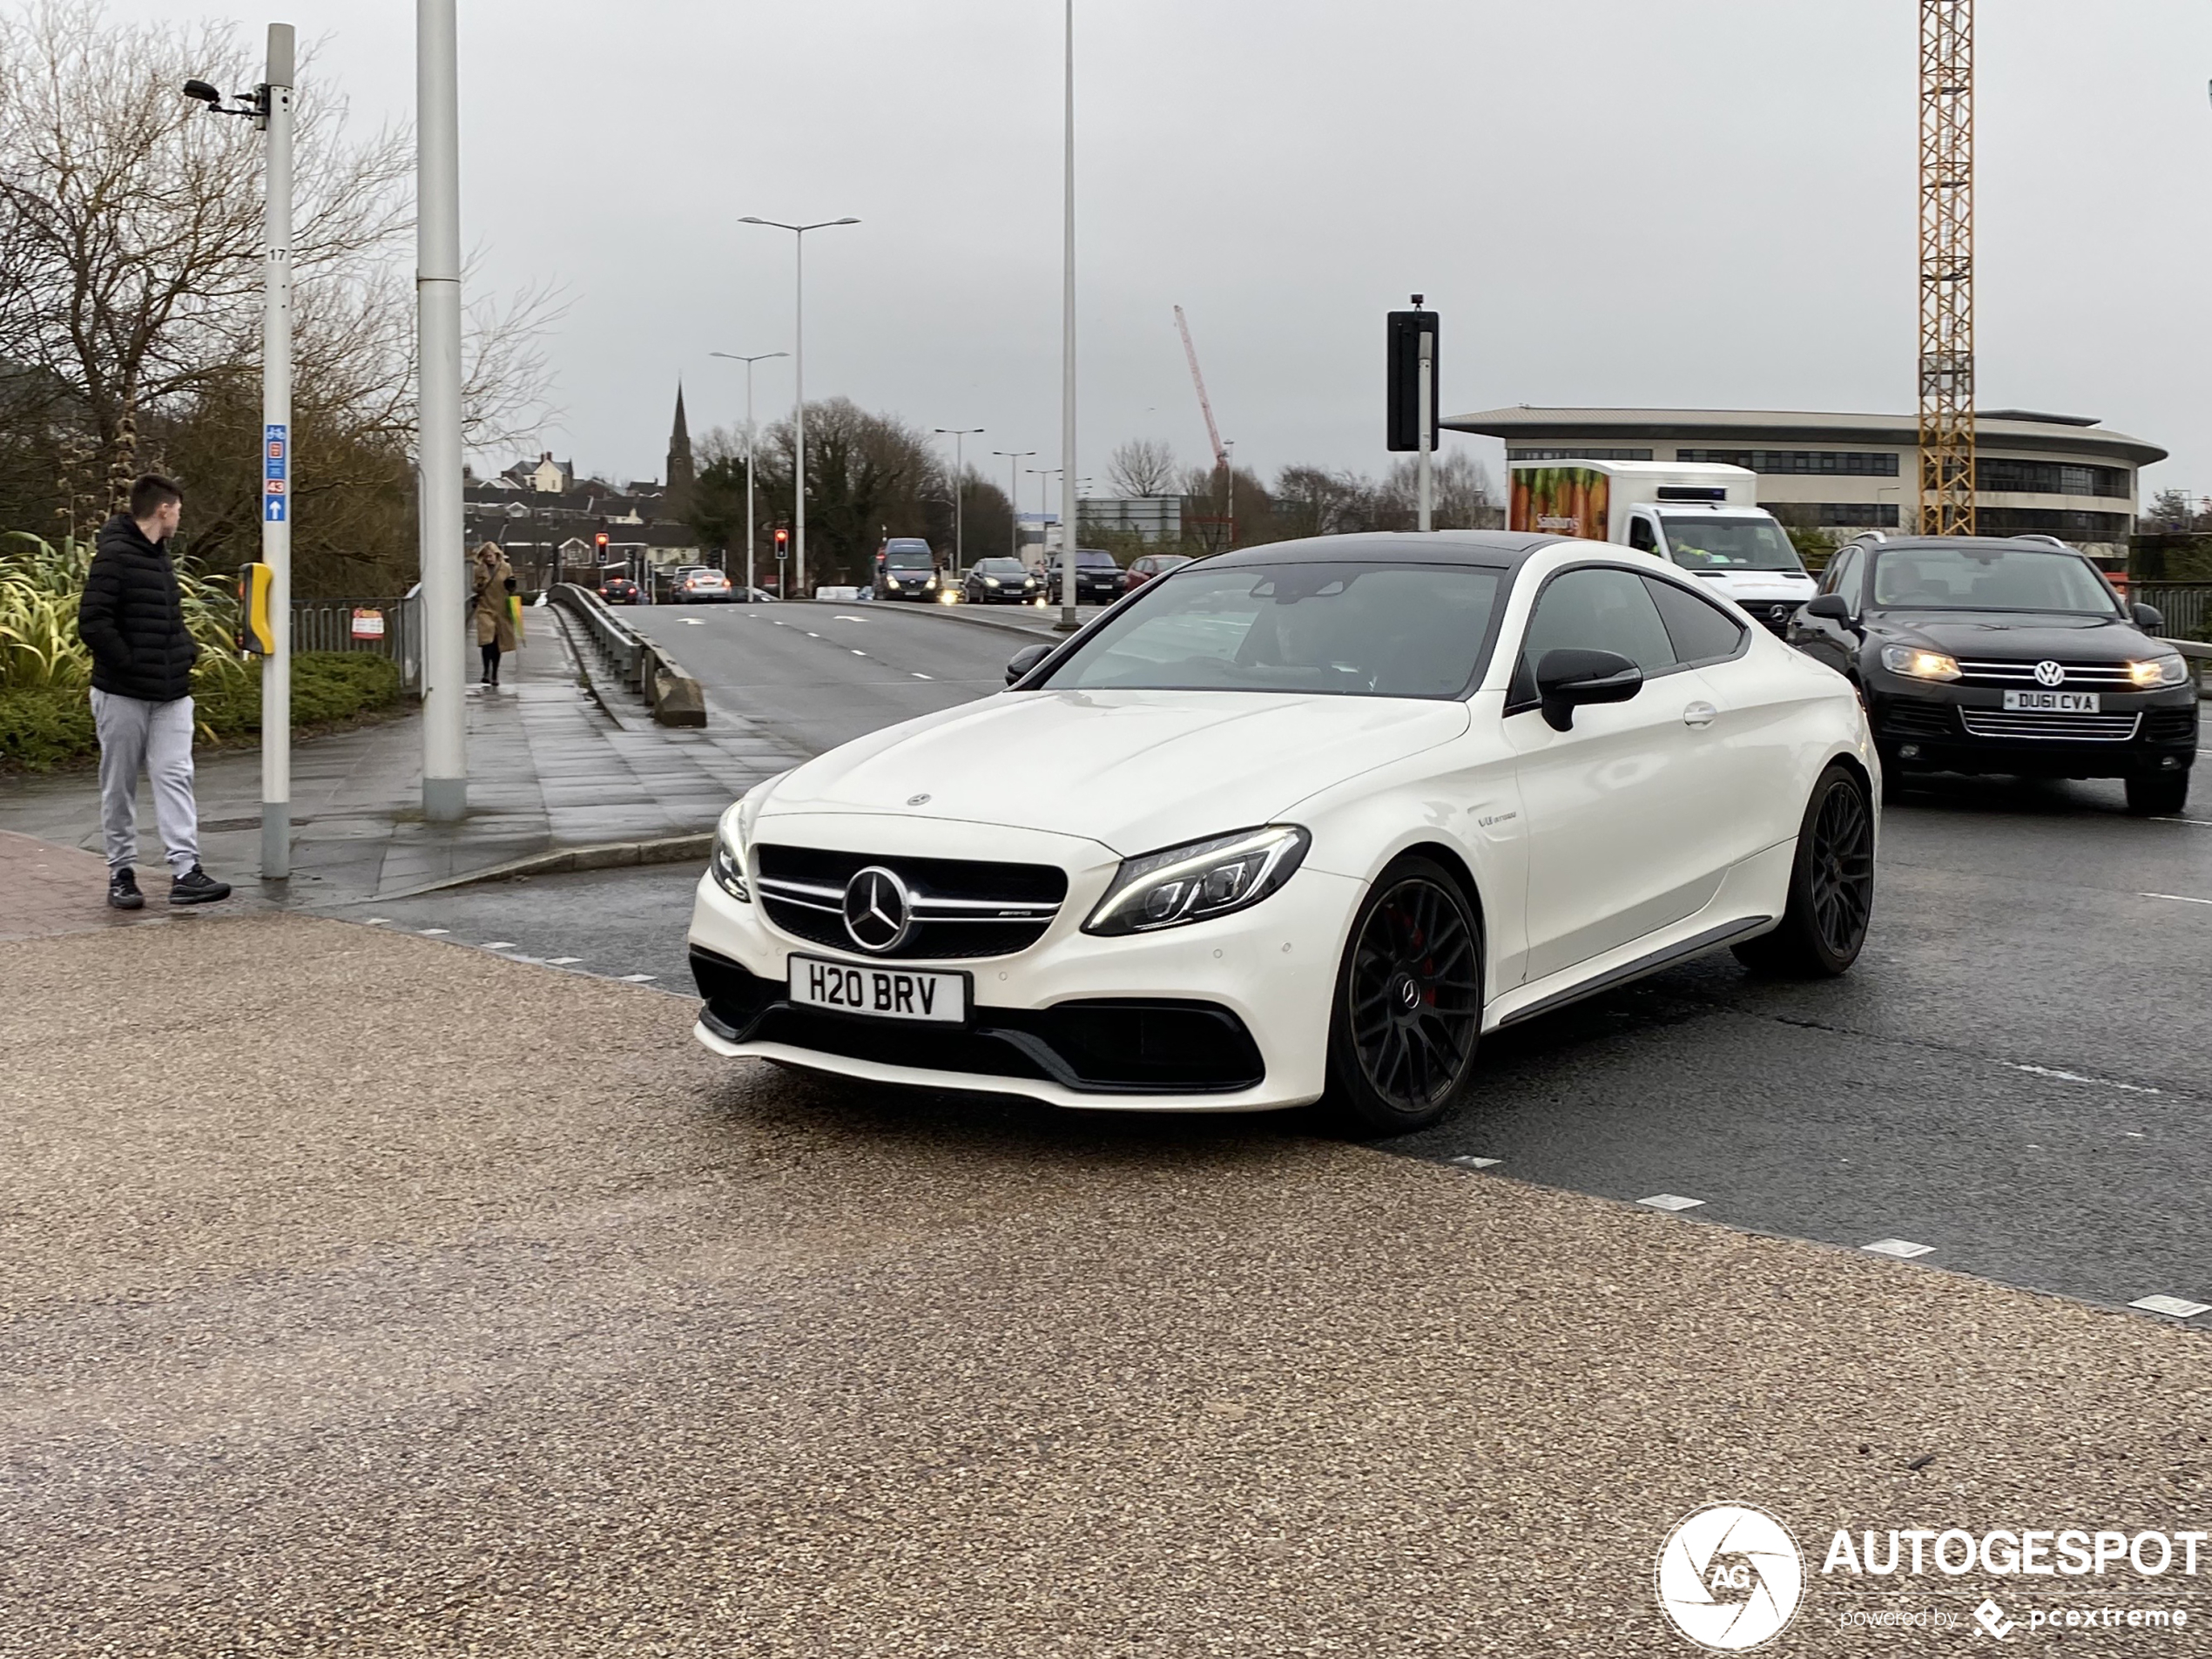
1977 654
1098 579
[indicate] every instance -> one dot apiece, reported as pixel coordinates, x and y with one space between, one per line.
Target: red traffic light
601 538
782 536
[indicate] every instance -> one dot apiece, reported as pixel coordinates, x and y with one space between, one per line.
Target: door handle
1699 714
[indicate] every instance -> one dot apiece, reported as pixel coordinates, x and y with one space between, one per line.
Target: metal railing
2186 605
327 625
618 644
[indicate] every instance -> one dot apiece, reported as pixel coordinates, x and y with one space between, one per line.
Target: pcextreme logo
1730 1577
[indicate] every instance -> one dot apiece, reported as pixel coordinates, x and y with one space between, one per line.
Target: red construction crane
1213 435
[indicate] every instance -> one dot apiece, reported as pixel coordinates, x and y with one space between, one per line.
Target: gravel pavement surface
364 1295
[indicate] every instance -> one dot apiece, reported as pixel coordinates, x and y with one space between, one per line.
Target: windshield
907 558
999 567
1989 578
1090 558
1340 628
1702 541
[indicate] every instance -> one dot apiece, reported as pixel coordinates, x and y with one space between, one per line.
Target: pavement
364 1294
550 770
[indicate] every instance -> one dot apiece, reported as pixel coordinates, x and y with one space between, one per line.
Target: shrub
44 726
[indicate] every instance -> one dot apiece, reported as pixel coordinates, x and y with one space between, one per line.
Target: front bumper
1224 1015
1924 727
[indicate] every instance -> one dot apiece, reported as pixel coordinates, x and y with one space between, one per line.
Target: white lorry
1703 516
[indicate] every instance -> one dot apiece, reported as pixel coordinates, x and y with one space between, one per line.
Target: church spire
678 503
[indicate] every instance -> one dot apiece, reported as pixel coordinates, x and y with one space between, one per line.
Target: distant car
701 586
618 590
1142 570
1977 654
1000 581
1099 576
906 569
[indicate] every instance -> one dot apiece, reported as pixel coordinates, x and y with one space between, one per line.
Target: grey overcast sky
1706 203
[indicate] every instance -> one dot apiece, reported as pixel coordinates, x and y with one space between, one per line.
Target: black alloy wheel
1831 887
1408 1009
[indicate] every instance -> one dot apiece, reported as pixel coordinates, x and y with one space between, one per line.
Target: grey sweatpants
156 736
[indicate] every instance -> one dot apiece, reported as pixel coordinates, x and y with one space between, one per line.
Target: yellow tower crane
1946 365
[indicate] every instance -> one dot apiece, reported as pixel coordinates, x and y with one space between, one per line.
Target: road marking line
432 933
376 922
2076 1077
500 944
920 675
1476 1164
693 622
842 617
812 634
2178 898
857 653
1670 1201
2202 823
561 962
635 979
2173 1306
1903 1249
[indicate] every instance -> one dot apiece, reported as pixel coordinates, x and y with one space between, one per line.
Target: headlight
728 860
2159 671
891 581
1915 664
932 583
990 582
1199 880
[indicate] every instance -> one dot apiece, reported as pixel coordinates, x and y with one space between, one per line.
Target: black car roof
1501 549
1994 543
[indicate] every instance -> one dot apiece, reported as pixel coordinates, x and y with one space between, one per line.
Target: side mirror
1833 606
2149 618
1567 679
1019 665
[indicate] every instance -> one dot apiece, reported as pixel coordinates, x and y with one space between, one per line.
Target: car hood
2009 636
1133 770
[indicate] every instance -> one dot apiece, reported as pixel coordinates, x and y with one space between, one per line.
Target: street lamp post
1067 341
1044 535
438 442
799 371
269 104
1014 458
748 362
957 433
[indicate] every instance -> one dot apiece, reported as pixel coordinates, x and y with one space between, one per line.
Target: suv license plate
879 993
2051 701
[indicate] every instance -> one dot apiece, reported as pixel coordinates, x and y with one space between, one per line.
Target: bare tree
1142 467
131 259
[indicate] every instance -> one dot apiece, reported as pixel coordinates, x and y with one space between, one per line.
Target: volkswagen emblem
2050 673
878 910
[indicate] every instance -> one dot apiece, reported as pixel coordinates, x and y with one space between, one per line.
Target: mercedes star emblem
2050 673
877 911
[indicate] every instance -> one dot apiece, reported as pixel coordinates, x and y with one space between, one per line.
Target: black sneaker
122 890
196 886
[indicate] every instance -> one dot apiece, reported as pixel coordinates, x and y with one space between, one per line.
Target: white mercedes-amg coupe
1297 823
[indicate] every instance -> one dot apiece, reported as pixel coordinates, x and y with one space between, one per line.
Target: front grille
2170 726
1100 1046
1773 615
2062 728
2080 677
1917 720
962 908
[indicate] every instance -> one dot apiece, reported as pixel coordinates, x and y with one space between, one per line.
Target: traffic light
783 543
600 540
1403 396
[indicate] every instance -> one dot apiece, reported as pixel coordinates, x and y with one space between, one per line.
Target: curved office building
2059 475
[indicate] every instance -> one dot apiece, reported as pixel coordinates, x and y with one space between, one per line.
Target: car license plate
882 993
2053 701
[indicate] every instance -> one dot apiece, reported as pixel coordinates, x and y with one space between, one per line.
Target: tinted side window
1597 608
1701 630
1640 535
1842 575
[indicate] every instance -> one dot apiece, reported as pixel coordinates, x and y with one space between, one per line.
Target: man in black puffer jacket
132 620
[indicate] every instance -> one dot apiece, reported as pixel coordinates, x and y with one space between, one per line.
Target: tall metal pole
959 472
1067 345
760 357
1014 458
437 288
1428 435
799 372
276 461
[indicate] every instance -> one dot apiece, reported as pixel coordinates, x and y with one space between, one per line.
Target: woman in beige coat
491 607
